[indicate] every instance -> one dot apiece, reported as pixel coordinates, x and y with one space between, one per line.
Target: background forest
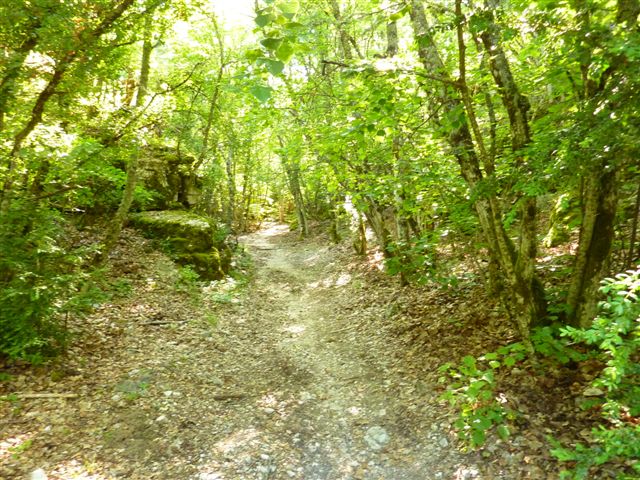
482 142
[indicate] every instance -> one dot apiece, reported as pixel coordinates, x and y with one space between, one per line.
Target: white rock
38 474
376 438
161 418
593 392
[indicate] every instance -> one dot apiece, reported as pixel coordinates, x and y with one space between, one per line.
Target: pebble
443 442
217 382
38 474
376 438
161 419
268 410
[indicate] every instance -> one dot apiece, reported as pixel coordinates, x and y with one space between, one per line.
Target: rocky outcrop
189 238
169 178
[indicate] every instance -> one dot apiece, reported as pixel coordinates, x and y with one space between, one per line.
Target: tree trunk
392 39
524 295
115 227
377 222
634 231
600 192
292 172
596 237
231 188
145 64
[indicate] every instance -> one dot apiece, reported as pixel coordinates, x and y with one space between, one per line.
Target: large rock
168 176
189 238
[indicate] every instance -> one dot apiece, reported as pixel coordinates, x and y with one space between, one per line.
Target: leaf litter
320 368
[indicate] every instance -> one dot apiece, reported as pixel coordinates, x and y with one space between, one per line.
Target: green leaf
478 438
503 432
289 8
253 55
262 92
264 19
275 67
271 43
285 51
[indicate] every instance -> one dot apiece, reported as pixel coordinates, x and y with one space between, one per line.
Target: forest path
288 377
323 393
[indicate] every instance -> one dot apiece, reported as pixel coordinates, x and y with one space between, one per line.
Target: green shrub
40 282
472 393
615 336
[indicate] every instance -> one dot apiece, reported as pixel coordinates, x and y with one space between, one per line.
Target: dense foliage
477 141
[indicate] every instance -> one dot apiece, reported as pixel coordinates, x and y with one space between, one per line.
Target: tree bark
13 67
145 64
596 238
392 39
115 228
634 231
600 193
292 172
231 187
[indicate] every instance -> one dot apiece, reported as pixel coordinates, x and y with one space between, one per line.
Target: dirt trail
294 381
328 406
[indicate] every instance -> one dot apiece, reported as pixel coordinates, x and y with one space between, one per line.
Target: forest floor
296 373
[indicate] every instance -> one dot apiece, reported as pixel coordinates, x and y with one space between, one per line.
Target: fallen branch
27 396
162 322
229 396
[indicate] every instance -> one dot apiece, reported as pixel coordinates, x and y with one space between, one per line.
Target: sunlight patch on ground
237 440
377 261
13 445
274 229
463 473
295 329
72 470
342 280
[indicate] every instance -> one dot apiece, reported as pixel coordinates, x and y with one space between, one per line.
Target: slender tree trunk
115 228
517 106
231 188
523 300
377 222
600 192
392 39
145 64
293 174
634 231
596 238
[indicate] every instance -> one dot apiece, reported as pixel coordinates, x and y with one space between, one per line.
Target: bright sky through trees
238 13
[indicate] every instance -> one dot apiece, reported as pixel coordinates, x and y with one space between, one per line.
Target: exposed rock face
190 239
169 177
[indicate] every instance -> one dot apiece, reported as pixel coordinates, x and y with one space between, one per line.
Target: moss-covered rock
167 174
207 265
188 238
